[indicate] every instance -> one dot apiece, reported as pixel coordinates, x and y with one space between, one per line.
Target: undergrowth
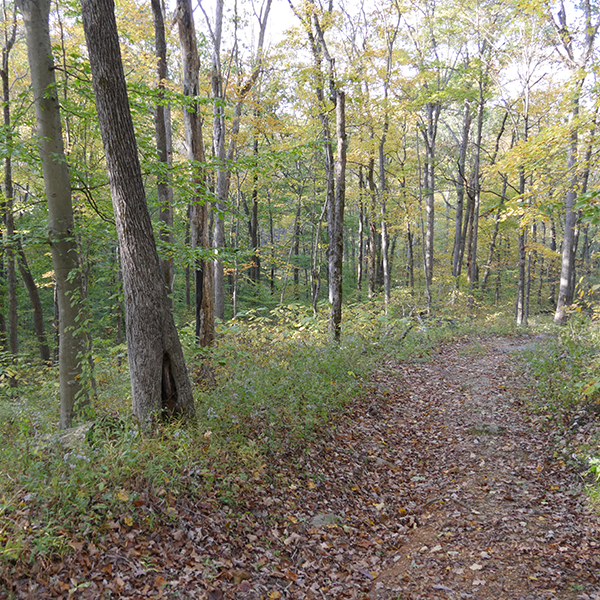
564 371
276 384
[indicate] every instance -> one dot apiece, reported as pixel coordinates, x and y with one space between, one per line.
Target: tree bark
253 220
34 297
216 83
60 209
336 221
8 204
199 217
385 262
361 233
565 291
159 380
461 179
429 133
566 46
372 260
162 124
225 159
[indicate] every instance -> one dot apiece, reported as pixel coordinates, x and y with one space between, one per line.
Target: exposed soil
439 485
505 516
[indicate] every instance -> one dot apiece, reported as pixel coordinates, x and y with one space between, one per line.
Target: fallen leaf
240 575
291 539
476 567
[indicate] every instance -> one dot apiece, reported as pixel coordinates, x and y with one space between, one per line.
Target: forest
222 221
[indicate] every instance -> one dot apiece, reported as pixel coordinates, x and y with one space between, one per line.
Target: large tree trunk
159 379
60 209
162 123
199 217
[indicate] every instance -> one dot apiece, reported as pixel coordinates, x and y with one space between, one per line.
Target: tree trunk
162 123
336 221
199 217
253 220
60 208
8 203
159 379
188 240
520 306
429 133
565 292
488 264
272 238
361 233
372 262
410 266
460 184
34 297
296 245
476 191
9 223
225 160
553 272
385 259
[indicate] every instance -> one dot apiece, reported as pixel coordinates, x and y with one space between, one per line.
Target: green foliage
572 352
279 384
564 366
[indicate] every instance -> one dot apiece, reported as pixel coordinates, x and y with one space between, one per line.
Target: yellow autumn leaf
311 485
123 495
128 521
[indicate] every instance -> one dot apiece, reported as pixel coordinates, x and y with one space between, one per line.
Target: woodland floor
439 485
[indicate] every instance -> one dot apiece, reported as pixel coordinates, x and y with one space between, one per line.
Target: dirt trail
437 486
504 517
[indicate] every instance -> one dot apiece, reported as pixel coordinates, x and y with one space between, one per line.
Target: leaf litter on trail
436 484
